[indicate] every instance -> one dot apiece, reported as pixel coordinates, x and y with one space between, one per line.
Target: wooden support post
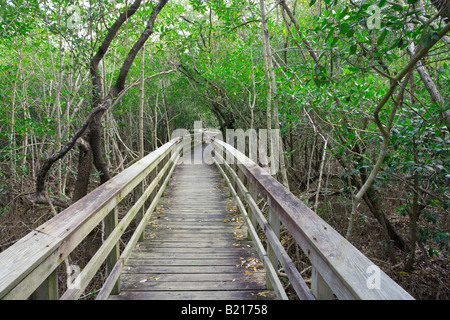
234 168
319 287
254 194
275 224
140 214
111 221
48 290
152 176
241 176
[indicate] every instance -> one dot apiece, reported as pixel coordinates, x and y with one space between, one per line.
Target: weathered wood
274 244
140 214
195 241
196 295
111 221
192 243
116 271
25 265
48 290
319 287
254 194
185 269
157 285
132 278
24 259
341 265
274 224
272 274
90 269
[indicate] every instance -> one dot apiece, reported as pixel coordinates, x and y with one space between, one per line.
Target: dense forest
359 91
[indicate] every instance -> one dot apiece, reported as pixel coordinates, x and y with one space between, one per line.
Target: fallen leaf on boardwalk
237 244
138 245
254 264
264 293
155 223
246 271
145 279
225 220
238 227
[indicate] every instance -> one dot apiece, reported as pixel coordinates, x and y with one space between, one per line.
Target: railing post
275 224
110 222
254 194
48 290
234 168
319 287
241 177
152 175
140 214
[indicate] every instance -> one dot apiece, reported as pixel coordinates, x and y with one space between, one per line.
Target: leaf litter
150 278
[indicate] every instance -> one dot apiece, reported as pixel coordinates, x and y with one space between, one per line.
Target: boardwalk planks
195 245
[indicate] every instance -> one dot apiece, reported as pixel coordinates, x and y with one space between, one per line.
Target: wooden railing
339 270
28 269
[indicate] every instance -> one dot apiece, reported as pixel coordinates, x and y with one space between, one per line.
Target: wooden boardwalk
195 245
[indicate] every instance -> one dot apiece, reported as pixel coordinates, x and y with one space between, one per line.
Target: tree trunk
84 171
141 106
426 78
274 91
90 130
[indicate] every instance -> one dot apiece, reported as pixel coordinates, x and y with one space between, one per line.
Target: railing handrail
30 261
341 266
338 265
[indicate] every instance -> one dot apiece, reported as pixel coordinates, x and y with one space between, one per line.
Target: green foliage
217 47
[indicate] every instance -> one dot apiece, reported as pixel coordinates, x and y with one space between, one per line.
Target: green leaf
381 38
429 37
312 3
330 33
381 3
343 13
344 28
335 40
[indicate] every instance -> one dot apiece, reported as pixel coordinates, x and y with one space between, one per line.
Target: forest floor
429 278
